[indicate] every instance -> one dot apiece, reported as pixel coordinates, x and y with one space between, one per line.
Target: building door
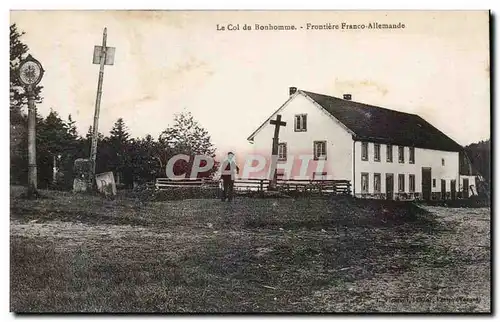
426 183
389 186
465 188
443 189
453 189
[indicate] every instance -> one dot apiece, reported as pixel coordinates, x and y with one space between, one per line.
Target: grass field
87 254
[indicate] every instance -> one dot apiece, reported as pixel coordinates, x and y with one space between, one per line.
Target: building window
412 155
442 161
376 183
401 154
282 151
364 151
319 150
364 182
412 182
389 153
377 152
401 183
300 122
434 183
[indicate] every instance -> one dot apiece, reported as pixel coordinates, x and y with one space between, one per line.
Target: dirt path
456 277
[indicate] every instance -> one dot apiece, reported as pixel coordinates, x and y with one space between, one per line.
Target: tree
88 141
18 153
479 155
56 140
18 96
121 150
188 137
89 134
71 126
119 132
74 150
52 134
144 163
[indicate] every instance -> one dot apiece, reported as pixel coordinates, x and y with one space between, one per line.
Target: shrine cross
277 124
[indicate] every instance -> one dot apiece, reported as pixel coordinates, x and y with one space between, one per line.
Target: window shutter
304 122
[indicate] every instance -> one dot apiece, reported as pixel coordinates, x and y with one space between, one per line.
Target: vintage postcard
250 161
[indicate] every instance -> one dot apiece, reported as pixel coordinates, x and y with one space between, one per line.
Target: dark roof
377 124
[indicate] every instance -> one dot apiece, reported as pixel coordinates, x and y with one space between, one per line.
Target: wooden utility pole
274 157
30 74
103 56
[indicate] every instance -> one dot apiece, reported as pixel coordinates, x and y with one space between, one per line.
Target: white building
383 153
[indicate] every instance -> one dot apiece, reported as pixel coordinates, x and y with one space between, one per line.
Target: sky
167 62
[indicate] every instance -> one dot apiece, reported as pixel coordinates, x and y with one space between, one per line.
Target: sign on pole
110 55
30 74
103 55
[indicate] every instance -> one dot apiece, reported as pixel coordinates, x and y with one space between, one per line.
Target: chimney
347 97
293 90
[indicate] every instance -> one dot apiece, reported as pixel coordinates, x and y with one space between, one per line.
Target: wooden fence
342 187
163 183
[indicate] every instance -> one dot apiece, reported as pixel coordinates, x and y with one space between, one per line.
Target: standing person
229 169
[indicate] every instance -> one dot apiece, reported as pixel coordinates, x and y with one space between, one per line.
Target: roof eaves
251 137
324 110
458 147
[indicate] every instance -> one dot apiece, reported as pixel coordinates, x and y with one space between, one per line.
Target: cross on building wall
274 154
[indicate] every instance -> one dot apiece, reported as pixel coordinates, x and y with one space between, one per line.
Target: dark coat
229 170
